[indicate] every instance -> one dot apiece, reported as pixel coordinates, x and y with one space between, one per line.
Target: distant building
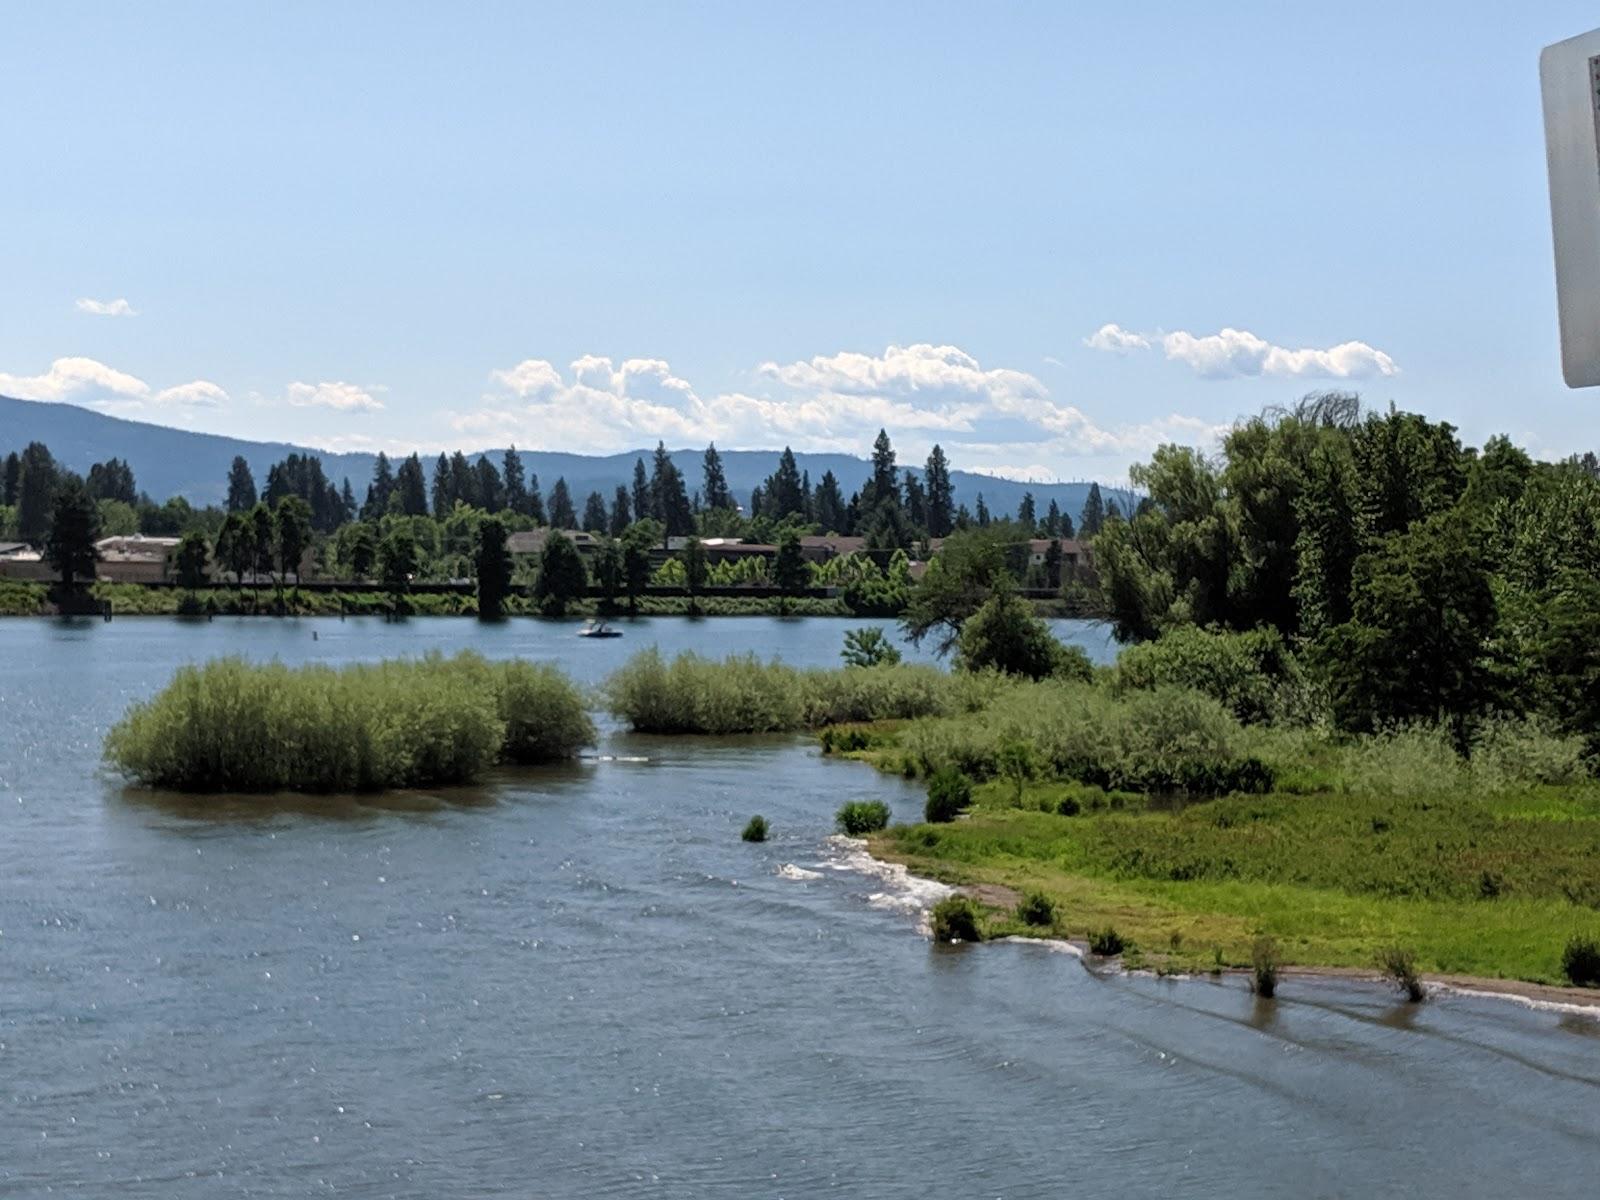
821 547
135 558
530 542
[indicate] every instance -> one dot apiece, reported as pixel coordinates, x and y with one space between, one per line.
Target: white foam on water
799 874
1556 1006
1053 945
901 891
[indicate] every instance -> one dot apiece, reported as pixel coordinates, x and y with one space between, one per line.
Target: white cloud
921 393
344 397
1234 353
107 308
201 393
73 376
1116 340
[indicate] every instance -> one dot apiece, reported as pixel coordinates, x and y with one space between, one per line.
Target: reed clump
693 694
235 726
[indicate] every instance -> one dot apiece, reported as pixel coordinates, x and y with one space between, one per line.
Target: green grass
233 726
1331 878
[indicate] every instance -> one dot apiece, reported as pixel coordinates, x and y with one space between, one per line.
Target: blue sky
586 227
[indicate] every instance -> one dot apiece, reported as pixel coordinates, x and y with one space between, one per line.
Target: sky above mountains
1048 236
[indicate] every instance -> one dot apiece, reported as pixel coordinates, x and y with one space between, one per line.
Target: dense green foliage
1036 909
743 694
1580 962
857 817
949 794
956 919
1252 673
868 647
233 726
755 830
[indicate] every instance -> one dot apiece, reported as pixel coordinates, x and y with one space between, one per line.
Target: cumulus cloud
1234 353
921 393
1116 340
107 308
201 393
73 376
341 396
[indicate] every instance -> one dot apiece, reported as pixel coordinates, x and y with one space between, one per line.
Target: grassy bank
691 694
1486 865
233 726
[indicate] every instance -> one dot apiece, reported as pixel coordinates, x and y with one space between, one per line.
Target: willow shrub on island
744 694
235 726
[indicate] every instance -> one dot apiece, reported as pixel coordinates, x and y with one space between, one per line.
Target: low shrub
949 794
1069 807
234 726
1107 943
862 816
1514 752
1264 967
1399 966
1252 673
1410 760
1580 962
1036 909
756 830
956 919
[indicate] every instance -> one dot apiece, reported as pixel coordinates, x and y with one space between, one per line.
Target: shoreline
1543 997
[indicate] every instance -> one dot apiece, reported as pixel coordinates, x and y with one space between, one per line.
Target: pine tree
74 529
595 519
621 512
916 501
378 491
36 492
885 480
669 499
412 488
493 568
292 523
1094 512
241 486
829 505
112 480
491 491
782 494
1027 517
516 483
463 481
10 478
983 513
715 494
941 497
562 515
1052 519
642 504
347 502
444 498
535 501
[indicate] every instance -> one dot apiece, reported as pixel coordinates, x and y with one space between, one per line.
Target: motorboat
599 629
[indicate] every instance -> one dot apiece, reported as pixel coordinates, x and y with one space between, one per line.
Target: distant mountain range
173 462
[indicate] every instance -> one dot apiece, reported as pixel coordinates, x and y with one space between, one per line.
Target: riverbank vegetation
234 726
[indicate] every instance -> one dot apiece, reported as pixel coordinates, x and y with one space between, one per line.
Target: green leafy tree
262 535
694 567
967 572
235 545
562 577
608 572
493 568
868 647
1004 635
293 526
397 562
193 559
640 539
74 528
362 551
789 571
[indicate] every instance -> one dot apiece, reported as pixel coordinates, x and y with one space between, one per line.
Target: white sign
1569 73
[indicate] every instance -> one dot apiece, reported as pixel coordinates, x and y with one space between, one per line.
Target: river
580 982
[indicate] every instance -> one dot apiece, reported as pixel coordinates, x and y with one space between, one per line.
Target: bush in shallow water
862 816
544 713
756 830
1107 943
1036 909
234 726
1264 967
949 794
1580 962
743 694
1399 966
956 919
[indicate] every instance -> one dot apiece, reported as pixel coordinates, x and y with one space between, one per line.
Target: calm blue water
579 982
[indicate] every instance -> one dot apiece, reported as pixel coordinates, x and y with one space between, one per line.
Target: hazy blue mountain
168 462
